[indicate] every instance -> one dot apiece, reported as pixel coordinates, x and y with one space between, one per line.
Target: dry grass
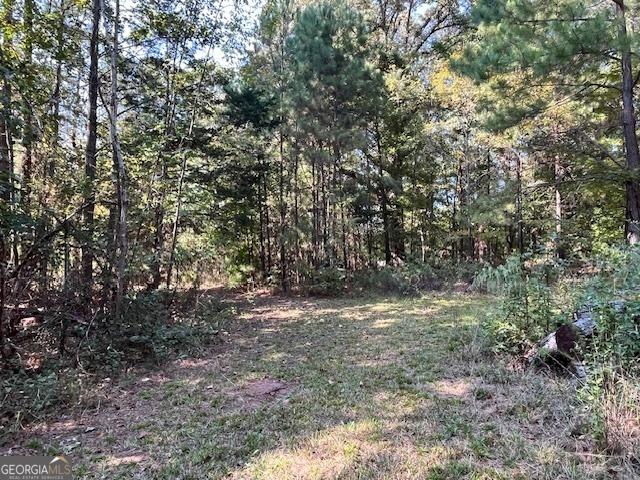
620 409
336 388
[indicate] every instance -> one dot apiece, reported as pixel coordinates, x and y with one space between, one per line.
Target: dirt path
346 388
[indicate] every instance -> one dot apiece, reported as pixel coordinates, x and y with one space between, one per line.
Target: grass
365 388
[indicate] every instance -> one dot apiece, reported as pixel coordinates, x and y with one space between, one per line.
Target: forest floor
332 388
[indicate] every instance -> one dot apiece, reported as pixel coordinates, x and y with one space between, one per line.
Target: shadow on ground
333 388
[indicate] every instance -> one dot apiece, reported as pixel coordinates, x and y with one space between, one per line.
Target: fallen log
559 348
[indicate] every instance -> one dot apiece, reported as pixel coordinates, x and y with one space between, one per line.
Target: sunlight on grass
384 322
342 388
327 454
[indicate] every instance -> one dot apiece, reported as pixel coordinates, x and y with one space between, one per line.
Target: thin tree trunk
283 210
183 170
558 207
454 214
632 185
119 167
263 254
519 218
176 217
7 193
296 214
267 221
383 200
345 252
28 135
49 161
91 152
314 208
170 104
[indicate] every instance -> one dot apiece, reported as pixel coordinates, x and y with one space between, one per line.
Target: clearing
332 388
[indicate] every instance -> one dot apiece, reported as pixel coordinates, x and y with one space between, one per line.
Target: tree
336 91
119 168
91 149
579 49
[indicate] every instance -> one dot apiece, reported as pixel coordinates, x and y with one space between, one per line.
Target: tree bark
91 151
283 209
183 169
632 184
519 216
28 135
558 207
119 167
159 207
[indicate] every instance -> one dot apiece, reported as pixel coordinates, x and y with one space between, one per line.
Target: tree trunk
519 217
183 170
5 155
267 220
385 221
296 214
28 135
283 257
122 239
314 210
7 190
263 249
91 152
159 207
176 217
558 208
632 185
384 203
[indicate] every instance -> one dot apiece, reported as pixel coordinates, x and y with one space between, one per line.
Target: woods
152 152
347 137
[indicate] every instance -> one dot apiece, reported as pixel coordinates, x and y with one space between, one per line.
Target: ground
333 388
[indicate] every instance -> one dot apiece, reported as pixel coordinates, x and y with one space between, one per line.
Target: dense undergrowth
539 294
154 327
411 278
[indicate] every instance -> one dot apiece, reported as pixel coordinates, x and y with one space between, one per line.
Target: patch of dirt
254 394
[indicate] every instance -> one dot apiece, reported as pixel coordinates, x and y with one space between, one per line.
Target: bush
327 281
614 295
412 278
26 396
153 328
530 309
526 312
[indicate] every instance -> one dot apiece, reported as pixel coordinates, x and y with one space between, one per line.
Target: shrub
412 278
327 281
154 327
529 309
526 312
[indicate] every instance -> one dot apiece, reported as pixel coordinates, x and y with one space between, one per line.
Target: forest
321 238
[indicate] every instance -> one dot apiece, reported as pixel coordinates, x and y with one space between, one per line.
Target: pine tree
581 49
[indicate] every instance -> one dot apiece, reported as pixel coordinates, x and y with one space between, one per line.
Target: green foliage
526 312
411 278
27 396
614 295
334 86
327 281
154 330
402 280
155 327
